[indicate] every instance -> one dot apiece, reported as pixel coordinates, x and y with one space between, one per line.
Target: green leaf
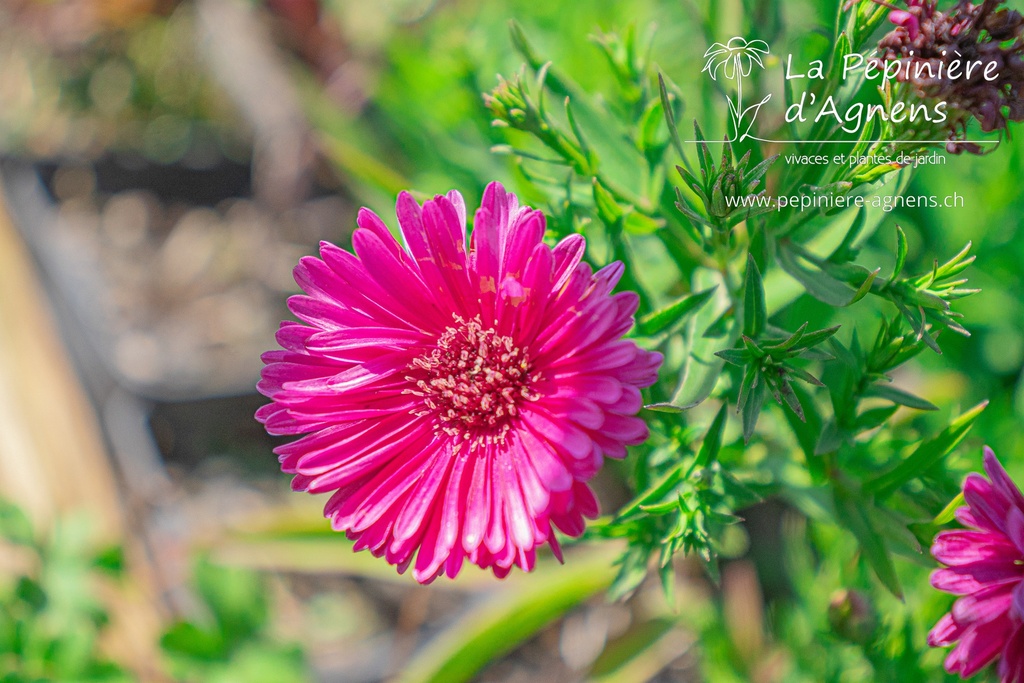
864 288
812 339
842 49
818 284
31 593
637 223
650 127
608 210
260 662
702 369
846 251
654 493
236 597
753 177
111 560
898 396
753 404
948 513
673 314
807 432
670 117
871 419
853 513
712 440
925 455
14 524
755 311
515 613
721 326
187 639
585 151
640 654
707 165
632 571
901 254
830 438
738 357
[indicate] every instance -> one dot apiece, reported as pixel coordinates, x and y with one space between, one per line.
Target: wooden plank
53 461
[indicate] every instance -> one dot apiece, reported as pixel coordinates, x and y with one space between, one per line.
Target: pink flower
456 403
985 565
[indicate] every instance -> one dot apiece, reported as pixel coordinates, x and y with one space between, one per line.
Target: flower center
473 380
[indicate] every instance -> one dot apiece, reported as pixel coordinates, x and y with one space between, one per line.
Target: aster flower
455 403
985 566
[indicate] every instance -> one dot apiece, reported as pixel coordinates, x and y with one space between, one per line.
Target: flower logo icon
736 59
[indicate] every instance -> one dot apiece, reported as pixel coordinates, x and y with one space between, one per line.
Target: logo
735 60
888 113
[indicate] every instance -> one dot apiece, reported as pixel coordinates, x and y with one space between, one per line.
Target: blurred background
165 163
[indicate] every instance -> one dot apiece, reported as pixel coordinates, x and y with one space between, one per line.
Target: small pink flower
984 565
456 403
907 20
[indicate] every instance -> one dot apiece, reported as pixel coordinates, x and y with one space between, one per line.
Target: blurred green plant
50 619
233 642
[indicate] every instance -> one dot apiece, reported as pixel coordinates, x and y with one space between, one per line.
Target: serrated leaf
925 455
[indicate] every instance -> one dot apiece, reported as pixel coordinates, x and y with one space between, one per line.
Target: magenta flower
456 403
985 565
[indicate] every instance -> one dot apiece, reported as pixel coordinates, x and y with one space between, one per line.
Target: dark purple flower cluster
969 57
